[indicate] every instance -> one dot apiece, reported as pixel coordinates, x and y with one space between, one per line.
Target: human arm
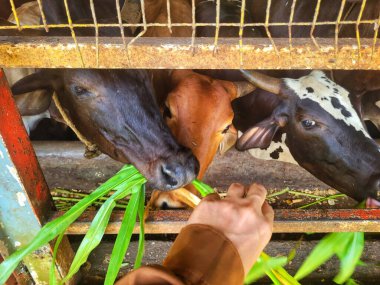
219 245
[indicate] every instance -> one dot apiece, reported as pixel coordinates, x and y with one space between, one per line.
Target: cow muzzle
176 171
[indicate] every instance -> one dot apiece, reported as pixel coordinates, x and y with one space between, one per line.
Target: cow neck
91 148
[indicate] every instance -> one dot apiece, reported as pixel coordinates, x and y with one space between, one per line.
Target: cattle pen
346 40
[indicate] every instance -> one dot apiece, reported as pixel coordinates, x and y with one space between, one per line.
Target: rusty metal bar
115 25
286 221
25 203
177 53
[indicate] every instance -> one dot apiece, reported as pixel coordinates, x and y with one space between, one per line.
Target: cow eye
226 129
167 113
308 124
80 91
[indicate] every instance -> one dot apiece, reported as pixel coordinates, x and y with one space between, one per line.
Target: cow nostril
169 175
194 161
377 185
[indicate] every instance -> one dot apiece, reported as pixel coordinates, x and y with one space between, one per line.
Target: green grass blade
261 266
96 231
351 257
141 248
351 282
280 273
285 277
202 188
52 229
322 200
123 238
322 252
98 226
273 277
52 277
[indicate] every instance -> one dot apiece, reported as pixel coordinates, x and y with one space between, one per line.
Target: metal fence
294 41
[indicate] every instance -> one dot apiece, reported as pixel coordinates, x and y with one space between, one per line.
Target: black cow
115 109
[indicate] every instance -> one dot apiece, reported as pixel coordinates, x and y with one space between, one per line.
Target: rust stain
176 53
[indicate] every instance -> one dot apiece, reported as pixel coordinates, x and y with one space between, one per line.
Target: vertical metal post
25 201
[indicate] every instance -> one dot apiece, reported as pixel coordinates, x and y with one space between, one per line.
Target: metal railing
274 47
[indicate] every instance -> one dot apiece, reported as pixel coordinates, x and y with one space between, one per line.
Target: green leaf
96 231
202 188
261 266
280 273
350 258
52 277
123 238
273 277
52 229
284 277
141 247
351 282
322 252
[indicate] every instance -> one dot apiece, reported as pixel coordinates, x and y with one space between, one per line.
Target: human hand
246 219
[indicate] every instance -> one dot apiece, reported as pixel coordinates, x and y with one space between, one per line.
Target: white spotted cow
320 127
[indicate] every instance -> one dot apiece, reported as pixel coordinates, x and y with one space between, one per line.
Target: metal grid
289 51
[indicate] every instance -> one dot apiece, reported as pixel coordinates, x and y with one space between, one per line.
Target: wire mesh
262 19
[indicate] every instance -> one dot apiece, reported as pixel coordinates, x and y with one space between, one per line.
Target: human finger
236 190
267 211
257 191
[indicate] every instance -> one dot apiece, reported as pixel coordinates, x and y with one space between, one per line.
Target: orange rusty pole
25 203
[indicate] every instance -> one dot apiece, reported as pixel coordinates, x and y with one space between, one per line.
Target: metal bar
286 221
357 26
337 25
70 23
25 201
92 7
267 14
193 27
241 29
177 53
217 28
291 24
274 24
316 13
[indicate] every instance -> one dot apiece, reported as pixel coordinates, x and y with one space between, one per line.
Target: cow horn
263 81
243 88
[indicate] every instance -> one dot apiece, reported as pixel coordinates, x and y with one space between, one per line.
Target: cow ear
33 94
259 136
36 81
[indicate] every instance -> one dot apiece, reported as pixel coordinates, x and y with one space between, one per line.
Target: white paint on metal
21 199
12 170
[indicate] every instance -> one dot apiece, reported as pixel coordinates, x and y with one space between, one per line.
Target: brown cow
156 12
199 114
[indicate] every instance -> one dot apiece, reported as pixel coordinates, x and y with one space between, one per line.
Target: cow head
199 113
323 132
117 111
